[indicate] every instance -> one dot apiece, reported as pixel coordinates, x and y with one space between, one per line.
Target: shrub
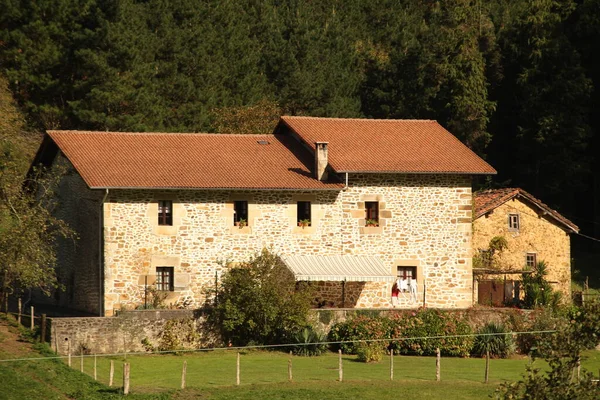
426 328
538 291
493 337
370 351
258 302
358 328
312 342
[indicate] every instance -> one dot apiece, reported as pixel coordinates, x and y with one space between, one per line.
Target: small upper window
164 279
513 222
371 213
240 215
165 212
531 260
303 213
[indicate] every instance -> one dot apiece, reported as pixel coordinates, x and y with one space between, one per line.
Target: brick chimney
321 160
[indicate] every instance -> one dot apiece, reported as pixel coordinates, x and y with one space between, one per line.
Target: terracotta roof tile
377 145
487 200
176 160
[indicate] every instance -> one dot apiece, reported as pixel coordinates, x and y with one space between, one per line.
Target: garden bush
259 302
419 324
427 323
361 327
493 337
311 342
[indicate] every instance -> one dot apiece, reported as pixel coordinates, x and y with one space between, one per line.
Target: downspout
101 255
346 187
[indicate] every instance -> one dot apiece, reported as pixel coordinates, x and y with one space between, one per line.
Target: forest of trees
517 80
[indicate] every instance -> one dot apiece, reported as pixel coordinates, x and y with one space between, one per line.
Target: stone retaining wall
125 332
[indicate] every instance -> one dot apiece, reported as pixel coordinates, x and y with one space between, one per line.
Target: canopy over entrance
338 268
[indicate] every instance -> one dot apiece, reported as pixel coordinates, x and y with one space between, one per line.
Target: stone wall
123 333
536 234
78 260
425 221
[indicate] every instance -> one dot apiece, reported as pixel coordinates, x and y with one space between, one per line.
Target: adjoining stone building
533 231
350 204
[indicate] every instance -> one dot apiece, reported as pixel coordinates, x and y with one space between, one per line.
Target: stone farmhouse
533 231
350 204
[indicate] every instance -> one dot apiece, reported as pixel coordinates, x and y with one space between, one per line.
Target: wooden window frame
533 257
402 272
304 211
240 211
165 277
372 210
514 222
165 212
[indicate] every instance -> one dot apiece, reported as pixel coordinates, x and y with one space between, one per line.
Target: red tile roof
487 200
376 145
177 160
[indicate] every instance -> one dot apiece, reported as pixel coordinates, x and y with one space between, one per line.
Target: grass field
266 372
211 375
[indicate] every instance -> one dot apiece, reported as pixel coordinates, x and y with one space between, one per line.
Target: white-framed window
164 279
514 222
531 260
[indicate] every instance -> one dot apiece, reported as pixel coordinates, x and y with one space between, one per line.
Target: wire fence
236 365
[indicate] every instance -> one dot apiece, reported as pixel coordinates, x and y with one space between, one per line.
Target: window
240 214
407 272
164 279
303 214
531 260
165 212
513 222
371 213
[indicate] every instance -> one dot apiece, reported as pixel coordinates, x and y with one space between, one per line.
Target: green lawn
264 374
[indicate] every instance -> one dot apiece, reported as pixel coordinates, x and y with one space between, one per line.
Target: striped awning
338 268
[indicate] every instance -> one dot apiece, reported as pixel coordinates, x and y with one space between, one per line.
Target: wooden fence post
340 366
95 368
438 360
290 378
32 324
183 372
487 365
43 329
237 370
391 364
81 362
20 307
69 350
111 374
125 378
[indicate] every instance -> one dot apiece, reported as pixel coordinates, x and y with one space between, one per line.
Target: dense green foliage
578 329
538 291
418 333
491 338
258 303
28 230
516 80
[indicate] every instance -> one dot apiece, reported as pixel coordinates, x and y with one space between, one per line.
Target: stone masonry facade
537 234
424 222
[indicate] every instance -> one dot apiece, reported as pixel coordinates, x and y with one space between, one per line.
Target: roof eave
415 172
337 188
520 192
